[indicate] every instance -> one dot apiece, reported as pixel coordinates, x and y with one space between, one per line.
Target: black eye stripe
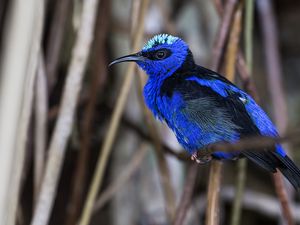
159 54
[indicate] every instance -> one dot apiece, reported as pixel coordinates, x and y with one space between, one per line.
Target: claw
203 160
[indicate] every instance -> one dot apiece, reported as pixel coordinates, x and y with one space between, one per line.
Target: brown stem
98 74
55 39
40 139
270 39
114 124
283 197
125 175
212 212
213 193
161 160
223 34
65 119
187 194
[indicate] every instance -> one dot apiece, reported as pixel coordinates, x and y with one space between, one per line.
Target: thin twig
212 212
249 20
41 109
233 43
273 63
97 77
241 64
114 123
255 201
247 80
283 198
55 39
161 160
65 119
223 33
240 186
242 163
255 143
213 192
126 174
270 39
169 24
187 194
22 35
219 6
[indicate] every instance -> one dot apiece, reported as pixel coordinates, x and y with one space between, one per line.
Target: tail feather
261 159
288 168
271 160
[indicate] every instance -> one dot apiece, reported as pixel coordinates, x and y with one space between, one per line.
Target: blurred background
66 115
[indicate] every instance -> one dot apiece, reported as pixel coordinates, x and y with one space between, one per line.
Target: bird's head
161 56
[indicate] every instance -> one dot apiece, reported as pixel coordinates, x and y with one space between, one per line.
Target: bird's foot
203 160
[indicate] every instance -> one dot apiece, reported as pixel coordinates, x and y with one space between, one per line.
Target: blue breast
194 127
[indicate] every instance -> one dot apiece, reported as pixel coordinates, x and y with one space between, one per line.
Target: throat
151 95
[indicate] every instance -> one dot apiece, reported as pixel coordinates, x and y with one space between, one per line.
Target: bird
202 107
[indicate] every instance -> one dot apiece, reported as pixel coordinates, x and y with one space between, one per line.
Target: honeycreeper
202 107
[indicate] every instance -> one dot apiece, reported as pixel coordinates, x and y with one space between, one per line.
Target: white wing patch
243 100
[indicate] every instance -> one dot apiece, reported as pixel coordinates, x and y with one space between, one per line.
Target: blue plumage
202 107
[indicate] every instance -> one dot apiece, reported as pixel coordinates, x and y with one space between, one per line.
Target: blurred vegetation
133 189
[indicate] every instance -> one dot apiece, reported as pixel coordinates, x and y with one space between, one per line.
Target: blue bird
202 107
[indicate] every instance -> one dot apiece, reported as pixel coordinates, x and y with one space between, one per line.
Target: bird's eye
160 54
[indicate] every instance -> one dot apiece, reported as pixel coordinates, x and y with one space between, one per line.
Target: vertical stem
113 126
214 183
41 109
223 34
270 39
22 35
98 73
65 119
242 163
161 160
249 14
187 194
133 165
55 40
233 44
212 212
240 186
274 69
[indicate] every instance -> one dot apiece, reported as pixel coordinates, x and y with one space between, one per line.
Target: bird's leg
202 160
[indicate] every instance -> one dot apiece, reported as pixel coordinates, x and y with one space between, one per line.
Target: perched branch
255 143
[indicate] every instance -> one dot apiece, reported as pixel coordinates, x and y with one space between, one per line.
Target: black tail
289 170
271 160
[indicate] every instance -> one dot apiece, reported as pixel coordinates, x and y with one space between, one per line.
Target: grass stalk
65 119
113 126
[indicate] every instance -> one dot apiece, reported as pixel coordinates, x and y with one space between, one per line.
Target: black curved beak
128 58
